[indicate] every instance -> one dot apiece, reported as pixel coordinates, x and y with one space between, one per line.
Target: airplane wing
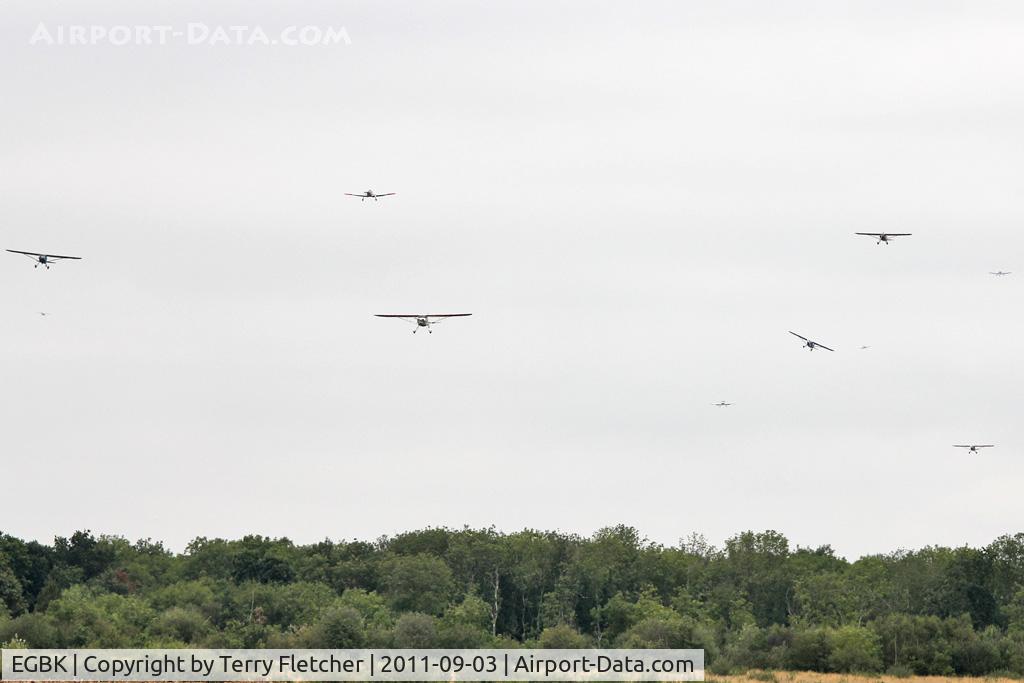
871 234
797 335
354 195
438 317
898 234
822 346
988 445
411 319
386 194
960 445
37 255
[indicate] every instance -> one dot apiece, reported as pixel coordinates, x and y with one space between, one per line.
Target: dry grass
812 677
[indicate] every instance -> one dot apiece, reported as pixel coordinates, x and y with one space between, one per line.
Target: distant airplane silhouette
811 344
423 320
369 195
884 236
43 259
975 447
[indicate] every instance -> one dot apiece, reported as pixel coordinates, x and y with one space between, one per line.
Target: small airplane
369 195
884 236
811 344
721 404
43 259
423 320
1000 273
973 448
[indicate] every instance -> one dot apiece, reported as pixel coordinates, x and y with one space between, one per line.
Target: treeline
755 603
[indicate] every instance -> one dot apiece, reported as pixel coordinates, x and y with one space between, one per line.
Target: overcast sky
636 202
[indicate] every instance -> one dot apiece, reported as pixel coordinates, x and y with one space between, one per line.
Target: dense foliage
756 603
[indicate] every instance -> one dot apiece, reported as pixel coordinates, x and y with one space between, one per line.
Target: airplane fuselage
422 322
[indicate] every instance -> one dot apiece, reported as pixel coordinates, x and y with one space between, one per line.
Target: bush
184 624
655 633
36 629
562 637
338 627
809 650
899 671
96 619
854 649
415 631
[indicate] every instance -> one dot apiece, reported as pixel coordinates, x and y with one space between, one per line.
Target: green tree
415 630
466 625
91 556
418 583
94 619
338 627
12 599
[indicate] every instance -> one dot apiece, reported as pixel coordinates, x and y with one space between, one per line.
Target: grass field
812 677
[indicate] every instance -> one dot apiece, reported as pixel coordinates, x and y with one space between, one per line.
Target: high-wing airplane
811 344
43 259
864 348
884 236
1000 273
423 320
721 404
974 448
369 195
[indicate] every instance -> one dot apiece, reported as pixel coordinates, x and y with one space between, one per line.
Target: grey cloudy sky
636 201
